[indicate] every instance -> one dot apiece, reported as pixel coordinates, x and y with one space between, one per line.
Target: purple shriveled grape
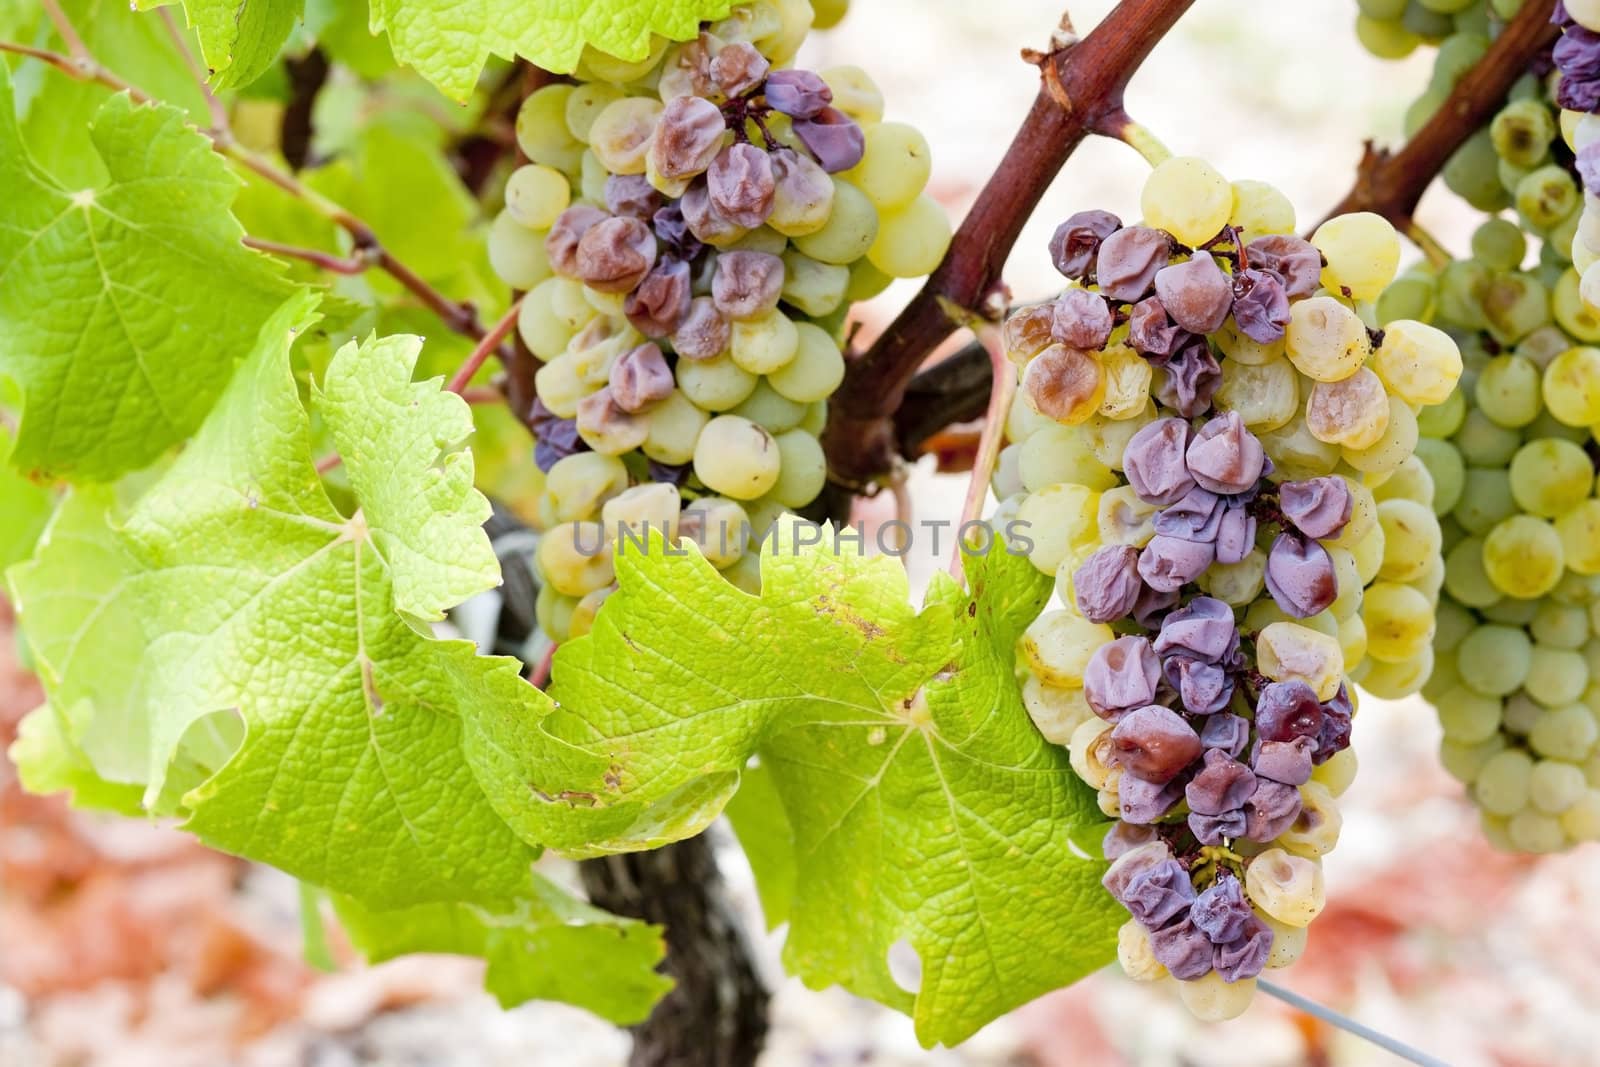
1236 533
615 255
1577 55
1128 260
800 181
1152 605
1154 461
1215 829
1334 737
658 305
1081 320
1588 164
1300 575
702 217
1183 950
1121 675
741 185
555 440
1196 293
800 94
675 473
1131 863
738 68
832 137
1287 710
1159 893
1197 516
1107 584
1189 378
1202 629
1224 457
1317 507
1141 802
1260 306
747 285
703 333
1286 762
1124 837
672 230
1226 733
632 195
1076 242
1222 785
1170 563
1295 262
1271 810
1246 955
561 243
1222 913
1151 330
600 415
640 379
688 136
1203 688
1154 743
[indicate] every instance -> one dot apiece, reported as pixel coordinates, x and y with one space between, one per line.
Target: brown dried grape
1126 265
1064 384
688 136
741 185
704 220
606 427
1029 331
739 68
561 244
658 305
1081 320
632 195
703 333
615 254
640 379
747 285
803 196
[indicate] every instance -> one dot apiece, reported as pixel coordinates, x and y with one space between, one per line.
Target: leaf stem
1001 393
63 25
485 348
333 264
1349 1025
1437 255
219 113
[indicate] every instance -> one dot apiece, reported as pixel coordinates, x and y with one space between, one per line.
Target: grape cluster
1512 463
690 231
1208 418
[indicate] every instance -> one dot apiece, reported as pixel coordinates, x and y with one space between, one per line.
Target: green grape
765 344
769 409
911 240
542 131
1523 557
1443 420
816 369
1188 198
1399 441
1448 7
715 384
1260 208
1557 676
1550 477
896 165
867 281
1508 391
1411 539
1547 195
1579 530
1500 243
803 469
1560 625
1485 500
1410 296
1465 762
1424 107
1531 831
736 458
1522 133
1573 314
1399 622
1446 471
1452 623
1555 786
1571 387
1494 660
1567 732
854 93
815 288
1462 284
517 254
1515 304
1472 173
1058 645
536 194
1464 576
1469 718
850 231
1382 10
1429 25
1484 442
1409 481
584 105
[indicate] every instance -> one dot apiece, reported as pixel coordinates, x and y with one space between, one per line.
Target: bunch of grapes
1511 458
691 230
1207 418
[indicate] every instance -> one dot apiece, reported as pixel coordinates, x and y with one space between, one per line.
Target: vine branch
1391 183
1082 83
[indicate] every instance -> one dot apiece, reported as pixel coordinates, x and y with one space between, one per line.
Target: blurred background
125 944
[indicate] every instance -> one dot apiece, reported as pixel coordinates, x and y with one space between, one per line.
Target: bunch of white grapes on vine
1511 459
1213 455
691 230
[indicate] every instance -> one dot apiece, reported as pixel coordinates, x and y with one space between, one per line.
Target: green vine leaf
924 805
548 947
239 39
151 294
449 41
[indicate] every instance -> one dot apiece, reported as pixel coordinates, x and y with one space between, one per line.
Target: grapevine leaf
548 946
239 39
924 805
48 760
449 41
762 827
150 294
25 508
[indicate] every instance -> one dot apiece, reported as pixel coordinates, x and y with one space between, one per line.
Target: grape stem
1081 91
460 317
485 348
1349 1025
219 113
1391 183
1002 392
